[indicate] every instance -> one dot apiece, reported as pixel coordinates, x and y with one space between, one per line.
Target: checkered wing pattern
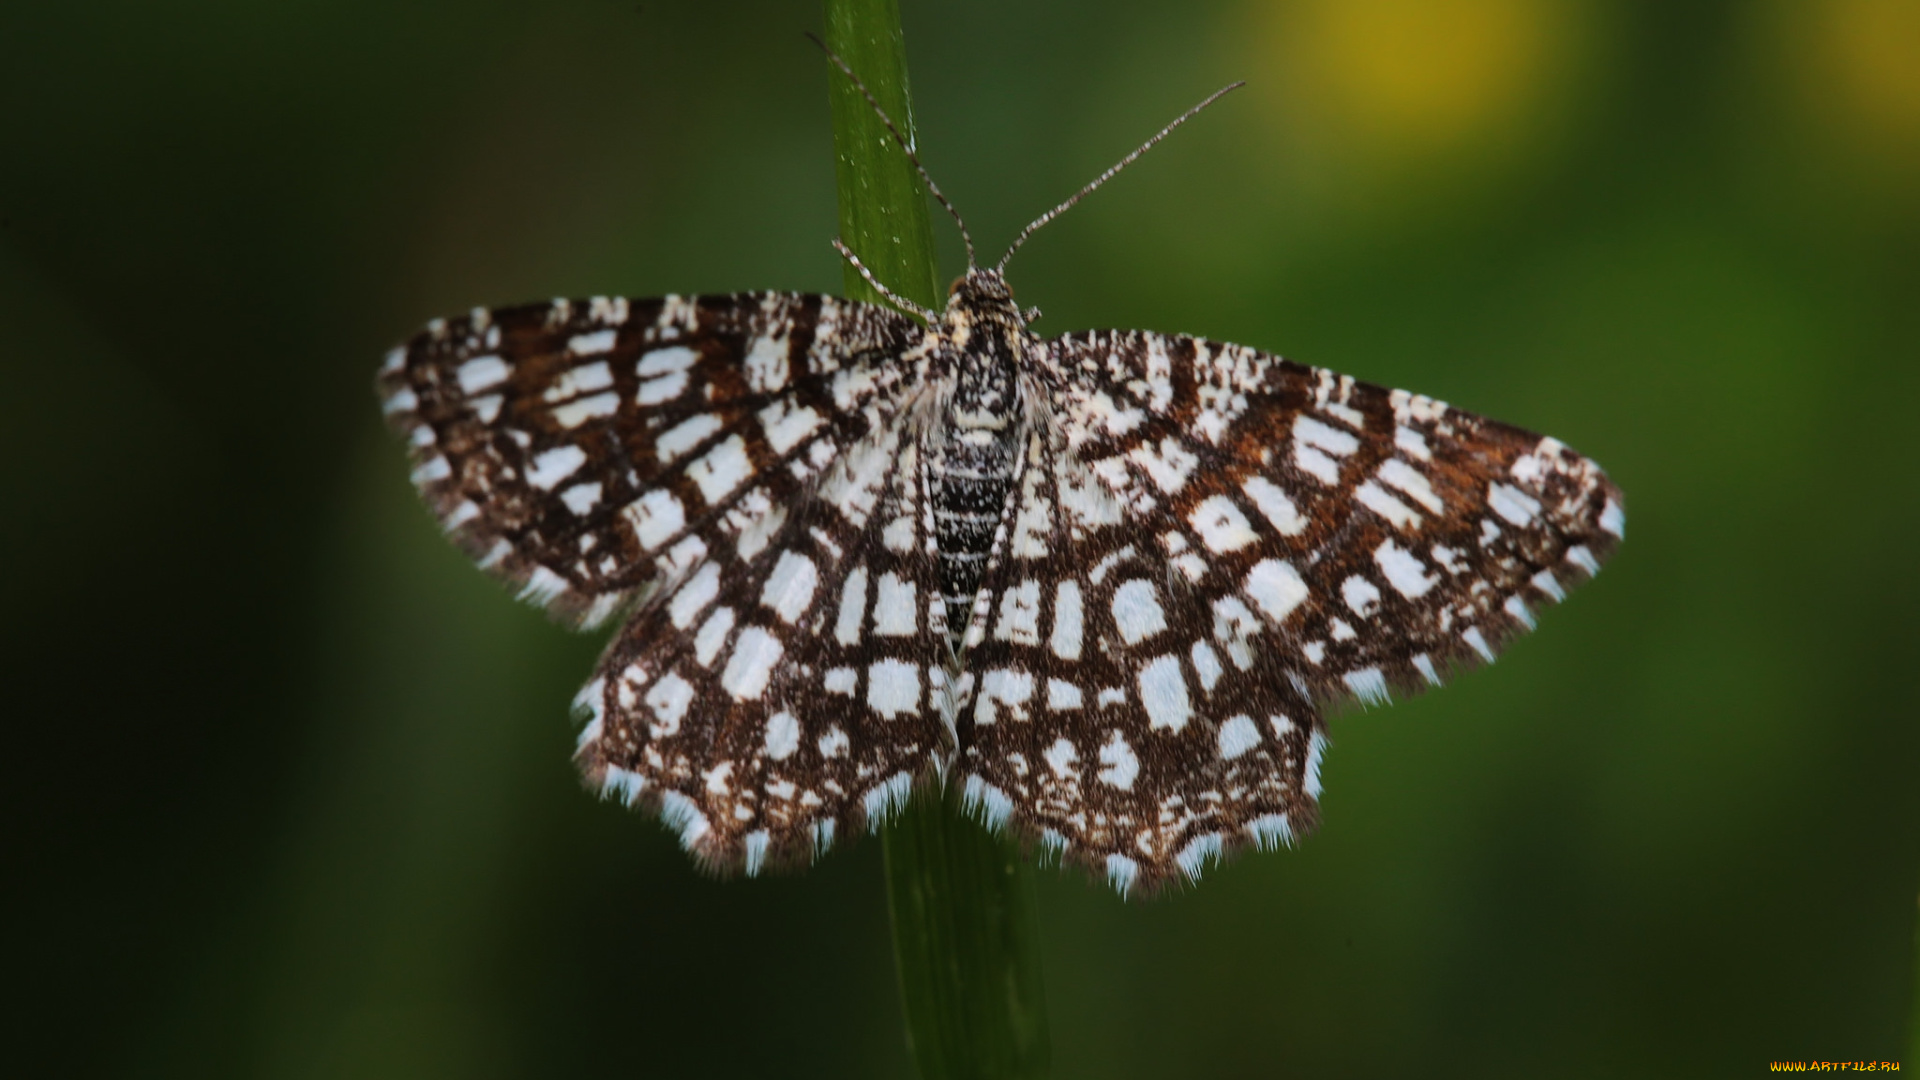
740 471
768 703
585 450
1209 545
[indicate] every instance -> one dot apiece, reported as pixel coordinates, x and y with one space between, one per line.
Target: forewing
577 449
1308 537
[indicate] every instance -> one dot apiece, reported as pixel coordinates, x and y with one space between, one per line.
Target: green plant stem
966 938
883 204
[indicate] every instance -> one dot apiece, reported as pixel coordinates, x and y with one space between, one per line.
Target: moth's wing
580 450
724 466
768 703
1116 714
1249 541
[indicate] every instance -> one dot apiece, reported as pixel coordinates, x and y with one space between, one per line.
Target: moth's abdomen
972 472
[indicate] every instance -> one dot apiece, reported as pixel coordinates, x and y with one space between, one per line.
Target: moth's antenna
900 302
1001 266
905 147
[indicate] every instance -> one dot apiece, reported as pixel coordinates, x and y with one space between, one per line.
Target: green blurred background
286 785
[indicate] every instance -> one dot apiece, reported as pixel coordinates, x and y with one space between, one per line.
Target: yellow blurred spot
1865 60
1411 78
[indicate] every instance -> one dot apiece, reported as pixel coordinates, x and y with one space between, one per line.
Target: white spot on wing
834 743
1221 525
1237 736
693 597
1404 570
1361 595
783 735
893 607
663 389
581 498
555 465
432 470
684 436
721 469
662 361
747 671
789 588
785 428
841 680
1005 687
586 344
893 688
574 413
1163 693
1511 503
480 373
1119 763
1063 695
1136 611
668 699
766 364
853 604
1375 498
584 379
1020 614
713 634
1316 464
1206 664
655 517
1310 432
1169 467
1067 627
1274 505
1060 758
1276 587
1410 481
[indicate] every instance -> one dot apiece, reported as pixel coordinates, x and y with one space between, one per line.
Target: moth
1106 584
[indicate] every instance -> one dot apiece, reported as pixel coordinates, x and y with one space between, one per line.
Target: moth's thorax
983 347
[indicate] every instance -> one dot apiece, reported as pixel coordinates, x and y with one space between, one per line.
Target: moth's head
980 289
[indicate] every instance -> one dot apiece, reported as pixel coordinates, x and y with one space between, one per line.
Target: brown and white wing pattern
769 702
582 450
1208 546
725 466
